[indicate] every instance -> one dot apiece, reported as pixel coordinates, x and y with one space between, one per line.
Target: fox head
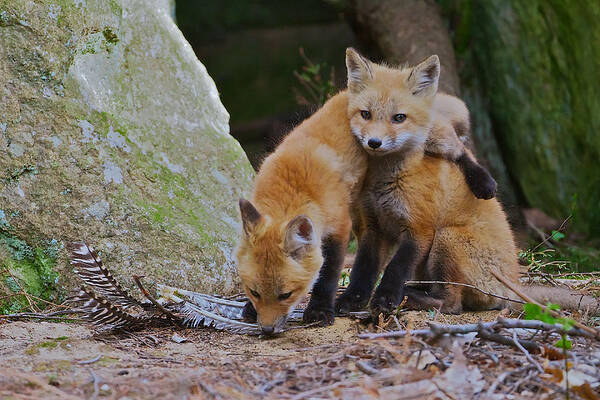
277 263
389 109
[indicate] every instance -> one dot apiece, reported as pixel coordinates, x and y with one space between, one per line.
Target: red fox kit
296 228
420 205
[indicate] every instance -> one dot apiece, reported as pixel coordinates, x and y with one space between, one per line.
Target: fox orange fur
297 224
417 210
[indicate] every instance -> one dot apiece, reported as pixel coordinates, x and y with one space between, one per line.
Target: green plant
317 82
534 311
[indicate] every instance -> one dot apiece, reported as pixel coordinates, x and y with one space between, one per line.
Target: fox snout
273 328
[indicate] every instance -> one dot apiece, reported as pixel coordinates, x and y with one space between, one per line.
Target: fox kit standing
296 229
419 206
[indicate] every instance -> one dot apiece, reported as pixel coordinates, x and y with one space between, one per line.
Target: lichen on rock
115 135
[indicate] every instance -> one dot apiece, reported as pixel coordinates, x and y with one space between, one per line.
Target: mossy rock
115 134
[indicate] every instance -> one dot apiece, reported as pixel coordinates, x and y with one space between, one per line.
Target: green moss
28 268
110 36
115 7
32 351
537 68
54 365
48 345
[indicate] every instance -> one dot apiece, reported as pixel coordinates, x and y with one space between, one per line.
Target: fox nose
267 329
374 143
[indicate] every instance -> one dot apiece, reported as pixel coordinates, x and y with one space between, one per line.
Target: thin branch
496 337
501 323
560 229
518 344
168 314
528 299
465 285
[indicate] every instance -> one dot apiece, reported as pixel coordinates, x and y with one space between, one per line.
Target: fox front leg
363 275
390 292
320 308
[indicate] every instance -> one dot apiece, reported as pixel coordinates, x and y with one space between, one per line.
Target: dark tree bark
406 31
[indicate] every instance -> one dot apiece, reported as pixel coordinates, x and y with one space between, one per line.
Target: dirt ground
52 360
150 364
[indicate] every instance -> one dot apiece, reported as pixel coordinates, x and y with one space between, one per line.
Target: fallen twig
519 292
464 285
366 368
42 316
96 383
90 361
506 323
167 313
517 343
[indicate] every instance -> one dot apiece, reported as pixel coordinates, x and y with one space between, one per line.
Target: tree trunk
406 31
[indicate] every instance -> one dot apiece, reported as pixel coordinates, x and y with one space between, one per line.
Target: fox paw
318 314
349 302
385 305
481 183
249 313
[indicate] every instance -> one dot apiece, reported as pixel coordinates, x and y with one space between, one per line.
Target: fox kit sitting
297 225
417 208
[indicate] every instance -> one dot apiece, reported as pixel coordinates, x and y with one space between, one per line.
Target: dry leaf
421 359
585 391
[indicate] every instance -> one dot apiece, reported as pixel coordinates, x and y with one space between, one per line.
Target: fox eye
285 295
255 294
365 114
399 118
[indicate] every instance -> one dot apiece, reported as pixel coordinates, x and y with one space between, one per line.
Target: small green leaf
556 235
553 306
532 311
563 343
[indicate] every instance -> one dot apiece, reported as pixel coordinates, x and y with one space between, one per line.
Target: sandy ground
50 360
55 360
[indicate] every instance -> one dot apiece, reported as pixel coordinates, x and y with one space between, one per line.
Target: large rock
112 131
537 65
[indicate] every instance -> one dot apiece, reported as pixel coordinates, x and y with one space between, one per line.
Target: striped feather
88 265
104 315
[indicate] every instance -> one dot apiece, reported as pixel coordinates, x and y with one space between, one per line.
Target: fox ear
299 236
359 70
250 215
423 79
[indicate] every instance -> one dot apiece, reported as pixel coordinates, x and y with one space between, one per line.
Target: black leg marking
249 313
362 277
320 307
421 300
478 178
390 292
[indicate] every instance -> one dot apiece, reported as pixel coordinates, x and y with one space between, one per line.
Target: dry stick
495 337
465 285
439 329
519 292
319 390
138 282
96 383
527 355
